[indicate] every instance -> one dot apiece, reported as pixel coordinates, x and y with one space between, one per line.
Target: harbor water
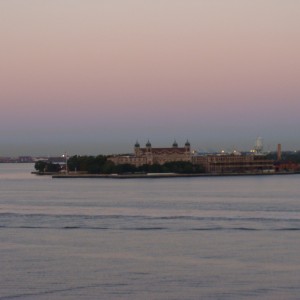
170 238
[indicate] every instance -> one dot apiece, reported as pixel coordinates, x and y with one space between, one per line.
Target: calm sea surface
182 238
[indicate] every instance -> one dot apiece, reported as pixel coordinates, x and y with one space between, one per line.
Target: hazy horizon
91 77
119 148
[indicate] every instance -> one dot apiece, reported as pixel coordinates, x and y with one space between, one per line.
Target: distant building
285 165
20 159
234 163
150 156
213 163
25 159
61 160
7 160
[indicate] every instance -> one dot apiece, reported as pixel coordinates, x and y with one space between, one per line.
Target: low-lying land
165 175
210 165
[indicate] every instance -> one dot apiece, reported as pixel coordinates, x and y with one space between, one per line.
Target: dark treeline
286 156
179 167
90 164
101 165
43 166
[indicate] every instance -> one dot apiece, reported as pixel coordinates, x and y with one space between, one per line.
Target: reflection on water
183 238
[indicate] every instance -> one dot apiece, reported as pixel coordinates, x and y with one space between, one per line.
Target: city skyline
91 77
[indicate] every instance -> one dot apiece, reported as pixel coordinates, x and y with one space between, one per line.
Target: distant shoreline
161 175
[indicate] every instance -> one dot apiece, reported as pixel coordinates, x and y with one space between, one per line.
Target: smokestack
279 152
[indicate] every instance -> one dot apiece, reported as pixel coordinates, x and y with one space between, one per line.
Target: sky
94 76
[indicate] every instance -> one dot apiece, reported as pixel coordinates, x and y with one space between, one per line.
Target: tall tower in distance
258 147
278 152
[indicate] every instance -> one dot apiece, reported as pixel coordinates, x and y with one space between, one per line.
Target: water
176 238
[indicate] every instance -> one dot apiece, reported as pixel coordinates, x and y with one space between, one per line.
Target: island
149 162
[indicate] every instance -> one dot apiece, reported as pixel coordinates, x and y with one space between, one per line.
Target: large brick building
234 163
212 163
150 156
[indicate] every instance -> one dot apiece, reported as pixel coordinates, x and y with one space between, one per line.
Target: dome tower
175 145
187 146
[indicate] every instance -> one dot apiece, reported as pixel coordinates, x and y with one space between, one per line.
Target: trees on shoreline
101 165
47 167
286 156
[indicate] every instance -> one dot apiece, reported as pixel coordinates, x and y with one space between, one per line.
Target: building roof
165 150
175 145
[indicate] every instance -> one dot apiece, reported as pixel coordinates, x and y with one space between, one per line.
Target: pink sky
93 76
